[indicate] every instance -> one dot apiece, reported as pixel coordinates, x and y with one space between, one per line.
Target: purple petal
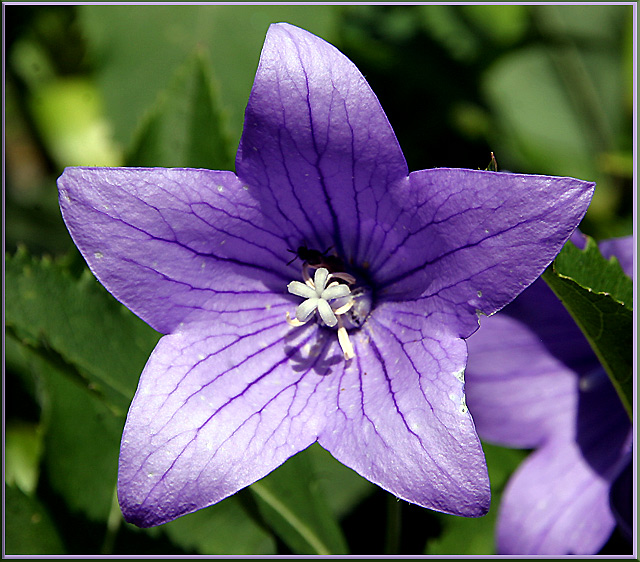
621 497
172 244
218 406
400 419
554 504
524 369
622 248
518 393
603 429
473 240
317 144
531 374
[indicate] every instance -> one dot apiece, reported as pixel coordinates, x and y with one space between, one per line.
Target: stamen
294 321
345 277
306 276
345 343
344 308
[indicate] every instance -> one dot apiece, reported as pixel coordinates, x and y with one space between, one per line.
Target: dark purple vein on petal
271 369
378 355
388 282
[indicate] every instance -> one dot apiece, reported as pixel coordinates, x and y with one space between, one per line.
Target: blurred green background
547 88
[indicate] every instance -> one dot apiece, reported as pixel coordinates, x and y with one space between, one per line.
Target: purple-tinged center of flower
339 303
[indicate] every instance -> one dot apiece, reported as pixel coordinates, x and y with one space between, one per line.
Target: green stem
392 539
113 525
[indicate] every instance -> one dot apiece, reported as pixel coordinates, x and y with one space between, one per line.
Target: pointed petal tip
151 514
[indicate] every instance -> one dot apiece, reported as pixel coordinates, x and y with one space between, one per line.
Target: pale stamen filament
344 341
294 321
344 308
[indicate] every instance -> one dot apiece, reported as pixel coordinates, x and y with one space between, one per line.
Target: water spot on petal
220 188
463 405
98 255
479 293
245 187
459 375
267 307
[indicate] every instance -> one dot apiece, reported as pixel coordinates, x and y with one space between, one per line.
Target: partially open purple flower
533 381
402 262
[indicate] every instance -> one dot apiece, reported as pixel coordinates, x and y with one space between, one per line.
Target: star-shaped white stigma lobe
318 294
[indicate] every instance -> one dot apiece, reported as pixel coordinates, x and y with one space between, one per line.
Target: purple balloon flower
533 381
392 269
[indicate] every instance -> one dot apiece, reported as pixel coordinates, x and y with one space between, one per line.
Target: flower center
330 294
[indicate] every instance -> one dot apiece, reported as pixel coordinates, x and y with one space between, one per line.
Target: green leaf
478 532
23 449
342 487
28 526
70 116
558 101
224 528
184 128
76 325
144 44
291 501
82 443
81 461
599 297
591 270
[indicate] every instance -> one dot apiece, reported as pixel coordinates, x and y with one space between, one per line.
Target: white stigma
318 294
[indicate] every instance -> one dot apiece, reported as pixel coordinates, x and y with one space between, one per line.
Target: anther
344 341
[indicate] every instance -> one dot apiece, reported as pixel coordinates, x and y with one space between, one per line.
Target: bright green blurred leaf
22 450
185 127
69 114
292 502
138 48
537 123
501 23
599 297
468 535
77 325
28 528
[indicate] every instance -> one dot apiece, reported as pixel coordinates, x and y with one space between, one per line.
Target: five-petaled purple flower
533 381
248 374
